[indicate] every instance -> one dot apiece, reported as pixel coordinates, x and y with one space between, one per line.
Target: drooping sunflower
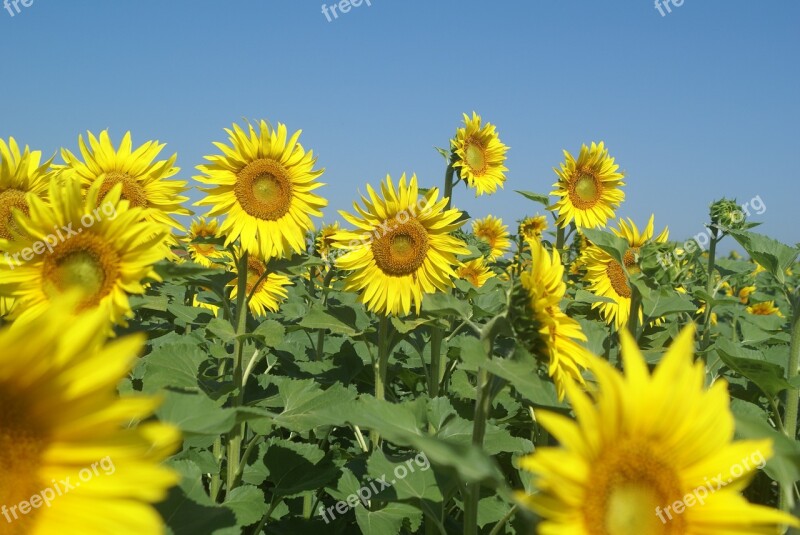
491 230
21 173
324 241
646 443
532 228
402 247
475 271
479 155
270 288
607 278
541 324
204 254
767 308
103 253
263 183
589 188
145 183
67 437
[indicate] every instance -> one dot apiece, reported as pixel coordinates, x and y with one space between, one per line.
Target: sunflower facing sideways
642 455
145 182
67 437
475 271
271 289
589 188
205 254
606 277
263 184
104 253
545 329
402 247
479 155
493 232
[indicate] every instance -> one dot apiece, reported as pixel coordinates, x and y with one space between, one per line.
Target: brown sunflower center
22 445
264 189
475 156
10 198
619 281
402 250
85 263
633 492
585 191
255 270
132 190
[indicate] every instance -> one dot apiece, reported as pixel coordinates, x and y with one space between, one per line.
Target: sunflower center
264 189
22 445
475 156
10 198
255 270
132 190
85 263
402 250
584 192
619 281
632 484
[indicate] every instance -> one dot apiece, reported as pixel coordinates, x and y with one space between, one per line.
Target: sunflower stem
792 397
320 347
236 436
636 307
712 252
437 369
448 183
561 238
381 367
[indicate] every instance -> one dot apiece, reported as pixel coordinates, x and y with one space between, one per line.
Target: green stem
561 238
792 399
712 252
381 366
636 307
236 436
448 184
320 347
437 369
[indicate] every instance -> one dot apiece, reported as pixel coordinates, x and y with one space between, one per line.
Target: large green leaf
771 254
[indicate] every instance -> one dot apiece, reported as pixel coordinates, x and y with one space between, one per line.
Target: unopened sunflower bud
726 214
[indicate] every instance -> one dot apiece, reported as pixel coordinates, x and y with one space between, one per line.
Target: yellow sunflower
144 181
70 244
492 231
744 294
205 254
74 459
21 173
606 277
6 304
270 290
325 240
652 454
589 188
479 155
767 308
532 228
475 271
402 247
263 183
547 330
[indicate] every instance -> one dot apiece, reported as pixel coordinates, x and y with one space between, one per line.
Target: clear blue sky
697 104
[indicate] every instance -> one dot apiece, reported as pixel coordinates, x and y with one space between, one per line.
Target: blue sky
695 105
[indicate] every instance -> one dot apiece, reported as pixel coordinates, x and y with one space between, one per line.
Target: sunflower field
234 365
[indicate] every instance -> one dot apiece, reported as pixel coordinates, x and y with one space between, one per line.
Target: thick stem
437 369
636 308
320 347
712 252
561 238
381 367
792 399
448 184
237 434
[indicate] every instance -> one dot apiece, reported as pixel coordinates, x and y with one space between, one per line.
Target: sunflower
144 181
492 231
270 289
402 247
640 459
475 271
606 277
21 173
204 254
767 308
547 331
479 155
263 184
532 228
324 241
68 440
68 245
589 188
744 294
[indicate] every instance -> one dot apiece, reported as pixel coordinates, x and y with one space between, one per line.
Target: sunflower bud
726 214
